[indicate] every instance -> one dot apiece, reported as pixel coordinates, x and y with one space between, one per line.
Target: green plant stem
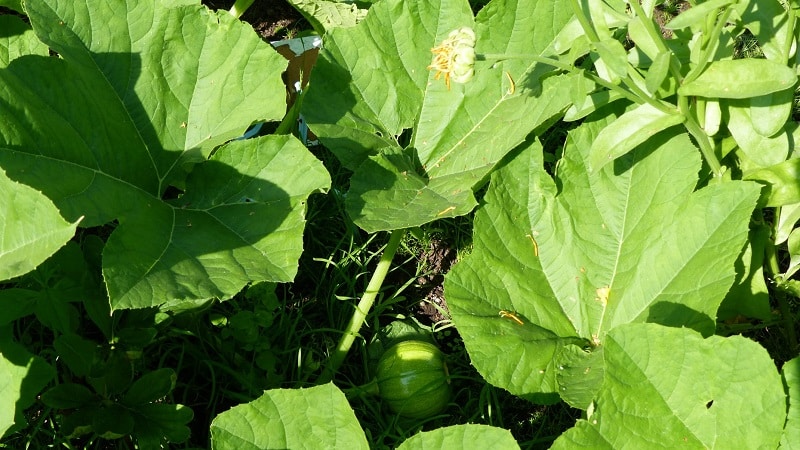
700 136
711 46
239 7
363 307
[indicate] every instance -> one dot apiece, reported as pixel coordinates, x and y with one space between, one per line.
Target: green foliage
129 127
268 422
418 148
641 212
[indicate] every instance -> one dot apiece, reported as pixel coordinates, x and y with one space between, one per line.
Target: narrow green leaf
657 72
629 130
740 78
272 421
462 436
669 388
696 14
31 228
614 56
637 28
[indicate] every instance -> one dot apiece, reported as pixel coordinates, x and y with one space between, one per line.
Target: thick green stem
363 307
239 7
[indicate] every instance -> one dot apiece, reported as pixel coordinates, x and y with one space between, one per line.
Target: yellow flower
455 56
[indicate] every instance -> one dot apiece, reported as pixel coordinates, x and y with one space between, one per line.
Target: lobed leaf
272 421
586 252
462 436
153 89
417 147
669 387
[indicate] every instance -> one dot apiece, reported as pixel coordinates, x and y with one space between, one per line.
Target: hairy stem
363 307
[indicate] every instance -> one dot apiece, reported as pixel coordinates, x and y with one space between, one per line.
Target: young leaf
272 421
696 14
593 250
629 130
669 387
419 148
740 78
462 436
32 228
128 126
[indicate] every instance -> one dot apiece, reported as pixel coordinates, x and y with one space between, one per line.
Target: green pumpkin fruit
412 378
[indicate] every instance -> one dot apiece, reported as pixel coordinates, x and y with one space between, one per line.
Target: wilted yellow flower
455 56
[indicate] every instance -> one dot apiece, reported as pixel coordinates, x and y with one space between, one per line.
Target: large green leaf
30 228
318 417
152 90
418 148
483 437
577 256
670 388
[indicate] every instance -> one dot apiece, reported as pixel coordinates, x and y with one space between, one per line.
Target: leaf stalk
363 307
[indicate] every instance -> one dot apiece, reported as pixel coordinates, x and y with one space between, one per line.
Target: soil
273 20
